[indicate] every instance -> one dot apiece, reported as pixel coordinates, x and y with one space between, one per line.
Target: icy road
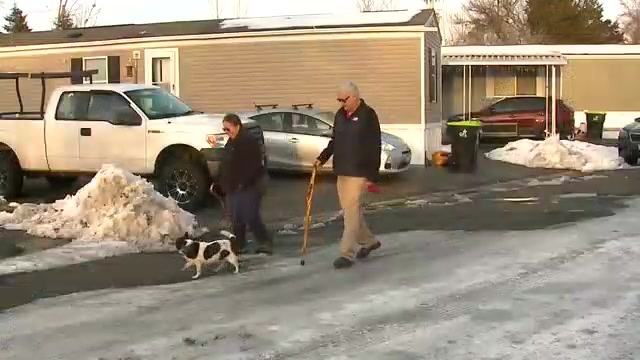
564 293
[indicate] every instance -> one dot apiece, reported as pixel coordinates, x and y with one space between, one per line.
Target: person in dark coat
242 173
355 146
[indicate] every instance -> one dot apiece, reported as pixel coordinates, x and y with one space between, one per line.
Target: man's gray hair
350 88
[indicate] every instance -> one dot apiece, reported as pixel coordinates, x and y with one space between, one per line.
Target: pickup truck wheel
185 182
11 176
58 182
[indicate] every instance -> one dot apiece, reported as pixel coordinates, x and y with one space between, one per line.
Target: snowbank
554 153
115 206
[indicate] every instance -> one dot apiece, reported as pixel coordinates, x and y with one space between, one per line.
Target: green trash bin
465 140
595 124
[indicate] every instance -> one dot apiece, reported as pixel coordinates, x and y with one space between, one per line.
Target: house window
514 80
97 63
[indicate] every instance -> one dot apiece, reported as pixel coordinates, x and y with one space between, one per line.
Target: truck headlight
217 140
387 147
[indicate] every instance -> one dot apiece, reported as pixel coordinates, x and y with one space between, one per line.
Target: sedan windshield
159 104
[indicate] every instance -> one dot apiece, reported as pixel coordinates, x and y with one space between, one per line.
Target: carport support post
546 100
464 92
469 92
553 99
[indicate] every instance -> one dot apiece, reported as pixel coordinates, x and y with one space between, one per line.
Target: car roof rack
307 105
261 106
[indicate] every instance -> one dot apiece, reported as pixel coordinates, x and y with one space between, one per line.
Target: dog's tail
227 234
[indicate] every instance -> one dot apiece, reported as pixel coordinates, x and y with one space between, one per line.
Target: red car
521 116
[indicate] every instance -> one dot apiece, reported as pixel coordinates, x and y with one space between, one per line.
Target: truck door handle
85 131
294 140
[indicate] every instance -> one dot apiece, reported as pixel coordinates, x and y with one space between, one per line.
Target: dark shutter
113 64
433 75
76 66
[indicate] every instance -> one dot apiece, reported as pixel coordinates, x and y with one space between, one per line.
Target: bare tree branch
241 8
218 8
375 5
86 14
83 13
630 20
492 22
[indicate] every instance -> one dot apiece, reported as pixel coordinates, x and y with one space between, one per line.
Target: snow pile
554 153
115 206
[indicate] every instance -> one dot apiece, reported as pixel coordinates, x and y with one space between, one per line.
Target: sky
41 12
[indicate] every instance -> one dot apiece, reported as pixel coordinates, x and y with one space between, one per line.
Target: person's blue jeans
244 208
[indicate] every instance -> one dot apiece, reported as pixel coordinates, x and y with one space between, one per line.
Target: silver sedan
295 137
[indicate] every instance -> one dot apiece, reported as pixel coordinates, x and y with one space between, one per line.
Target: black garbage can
595 124
465 140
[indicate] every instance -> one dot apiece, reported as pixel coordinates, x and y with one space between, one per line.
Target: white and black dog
198 252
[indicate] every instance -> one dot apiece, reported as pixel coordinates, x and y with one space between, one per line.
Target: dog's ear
180 242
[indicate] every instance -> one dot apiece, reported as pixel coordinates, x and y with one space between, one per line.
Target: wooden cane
307 216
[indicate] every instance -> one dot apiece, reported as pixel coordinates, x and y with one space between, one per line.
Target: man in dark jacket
241 175
355 146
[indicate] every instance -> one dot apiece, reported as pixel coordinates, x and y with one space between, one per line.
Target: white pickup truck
140 128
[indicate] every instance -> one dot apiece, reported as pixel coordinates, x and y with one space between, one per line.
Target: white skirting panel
614 121
433 138
412 135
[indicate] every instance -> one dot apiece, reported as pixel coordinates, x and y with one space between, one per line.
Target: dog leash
307 216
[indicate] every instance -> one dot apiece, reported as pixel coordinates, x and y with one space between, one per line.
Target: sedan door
276 140
309 136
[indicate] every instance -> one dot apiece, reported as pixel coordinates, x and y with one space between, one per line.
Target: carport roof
418 17
500 55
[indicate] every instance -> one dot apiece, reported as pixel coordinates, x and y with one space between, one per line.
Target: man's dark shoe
342 263
366 250
265 248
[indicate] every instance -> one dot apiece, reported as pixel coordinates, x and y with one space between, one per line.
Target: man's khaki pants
356 232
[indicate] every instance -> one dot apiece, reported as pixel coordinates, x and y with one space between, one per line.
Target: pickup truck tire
184 181
61 182
11 176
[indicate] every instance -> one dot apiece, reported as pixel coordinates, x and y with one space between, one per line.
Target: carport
470 60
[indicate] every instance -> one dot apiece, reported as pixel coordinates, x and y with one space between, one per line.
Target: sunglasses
343 100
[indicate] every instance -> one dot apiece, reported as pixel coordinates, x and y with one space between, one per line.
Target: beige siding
433 110
231 77
31 89
605 85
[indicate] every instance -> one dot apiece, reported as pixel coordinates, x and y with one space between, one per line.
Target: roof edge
142 40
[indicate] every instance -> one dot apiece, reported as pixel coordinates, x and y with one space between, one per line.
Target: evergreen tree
16 21
571 22
64 21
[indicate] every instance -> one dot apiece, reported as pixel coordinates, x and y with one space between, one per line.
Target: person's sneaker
366 250
342 263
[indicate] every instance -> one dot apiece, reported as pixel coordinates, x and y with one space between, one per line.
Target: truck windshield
159 103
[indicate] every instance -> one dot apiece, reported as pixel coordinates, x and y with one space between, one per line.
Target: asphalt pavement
529 205
542 270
